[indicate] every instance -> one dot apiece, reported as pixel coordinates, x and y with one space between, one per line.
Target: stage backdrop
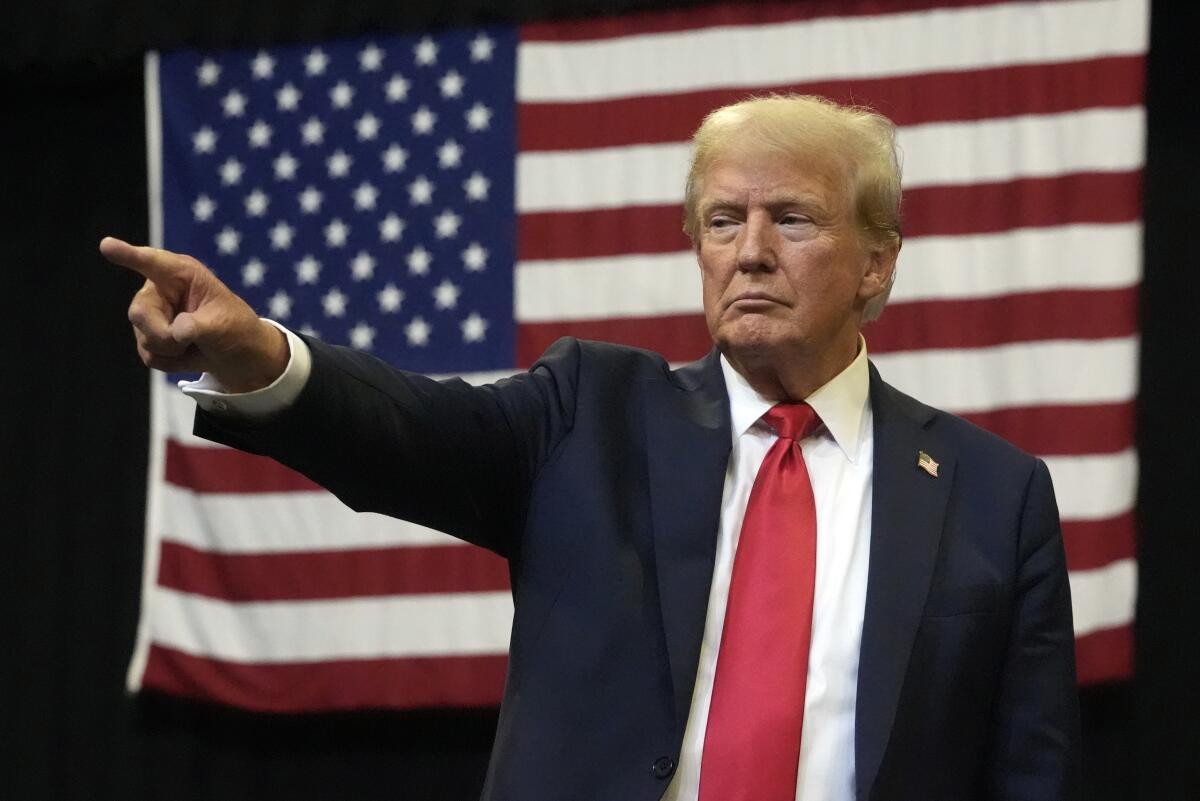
454 202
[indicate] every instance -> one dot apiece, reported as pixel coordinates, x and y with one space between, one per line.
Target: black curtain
74 430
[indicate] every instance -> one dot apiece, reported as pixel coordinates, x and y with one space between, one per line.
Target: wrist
260 365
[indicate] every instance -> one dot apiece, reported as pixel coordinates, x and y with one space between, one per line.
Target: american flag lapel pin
926 463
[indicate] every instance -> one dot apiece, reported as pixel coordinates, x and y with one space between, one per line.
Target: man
767 575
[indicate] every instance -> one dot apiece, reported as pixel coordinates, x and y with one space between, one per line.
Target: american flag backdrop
454 202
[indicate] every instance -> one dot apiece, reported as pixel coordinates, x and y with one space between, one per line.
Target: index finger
152 263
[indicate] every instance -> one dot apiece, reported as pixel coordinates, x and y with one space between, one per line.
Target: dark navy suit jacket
599 476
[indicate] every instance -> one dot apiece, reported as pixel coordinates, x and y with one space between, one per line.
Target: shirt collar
839 403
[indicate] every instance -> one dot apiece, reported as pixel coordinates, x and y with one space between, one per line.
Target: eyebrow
806 201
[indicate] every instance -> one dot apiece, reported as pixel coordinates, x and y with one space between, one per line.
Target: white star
204 140
445 295
334 303
228 241
308 270
477 186
394 158
231 172
364 196
252 272
280 305
474 258
370 58
417 332
309 331
338 164
362 266
310 200
316 61
420 191
425 52
390 298
451 84
208 72
423 120
203 208
262 65
397 88
473 328
367 127
341 95
287 98
419 260
335 233
362 336
481 47
449 154
285 166
479 117
234 103
312 131
256 203
281 235
446 224
391 228
259 134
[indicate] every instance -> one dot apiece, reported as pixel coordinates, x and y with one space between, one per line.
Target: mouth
754 301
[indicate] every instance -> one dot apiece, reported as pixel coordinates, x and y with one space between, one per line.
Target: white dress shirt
839 458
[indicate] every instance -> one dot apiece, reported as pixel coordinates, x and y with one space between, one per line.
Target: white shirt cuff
261 403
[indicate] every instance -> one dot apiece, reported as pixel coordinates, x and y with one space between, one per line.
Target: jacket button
662 767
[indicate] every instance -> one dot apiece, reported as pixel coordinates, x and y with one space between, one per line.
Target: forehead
772 176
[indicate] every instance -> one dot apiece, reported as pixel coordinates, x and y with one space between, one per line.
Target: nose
756 246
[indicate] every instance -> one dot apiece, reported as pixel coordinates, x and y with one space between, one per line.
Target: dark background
73 438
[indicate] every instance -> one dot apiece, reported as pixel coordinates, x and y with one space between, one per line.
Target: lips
755 299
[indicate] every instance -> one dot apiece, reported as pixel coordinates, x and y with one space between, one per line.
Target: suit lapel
908 507
688 437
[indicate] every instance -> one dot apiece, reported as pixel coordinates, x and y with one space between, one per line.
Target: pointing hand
186 320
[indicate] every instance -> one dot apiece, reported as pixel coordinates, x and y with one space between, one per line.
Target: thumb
185 329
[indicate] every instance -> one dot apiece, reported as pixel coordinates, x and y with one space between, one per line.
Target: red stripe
729 14
1062 430
228 470
1093 544
927 211
311 575
1105 655
402 683
985 322
935 324
1114 81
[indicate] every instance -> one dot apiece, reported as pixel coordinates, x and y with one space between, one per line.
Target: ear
879 267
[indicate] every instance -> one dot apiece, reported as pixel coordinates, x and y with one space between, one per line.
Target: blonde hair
855 140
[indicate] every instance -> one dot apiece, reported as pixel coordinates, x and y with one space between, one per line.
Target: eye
793 219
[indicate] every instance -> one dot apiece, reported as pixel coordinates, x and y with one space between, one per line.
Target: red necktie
752 743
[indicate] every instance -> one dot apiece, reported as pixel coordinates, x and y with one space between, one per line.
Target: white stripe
829 48
274 522
1021 260
931 268
640 285
352 628
1024 374
1093 140
1094 487
1104 598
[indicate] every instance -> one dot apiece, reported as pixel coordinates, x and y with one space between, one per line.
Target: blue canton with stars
360 191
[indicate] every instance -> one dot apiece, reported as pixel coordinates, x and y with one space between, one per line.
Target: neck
793 375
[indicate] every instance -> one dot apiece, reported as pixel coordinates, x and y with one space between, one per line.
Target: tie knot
793 421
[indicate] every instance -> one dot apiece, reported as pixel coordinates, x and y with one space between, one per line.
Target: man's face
782 267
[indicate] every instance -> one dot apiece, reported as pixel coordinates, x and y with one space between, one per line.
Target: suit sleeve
1035 753
444 454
